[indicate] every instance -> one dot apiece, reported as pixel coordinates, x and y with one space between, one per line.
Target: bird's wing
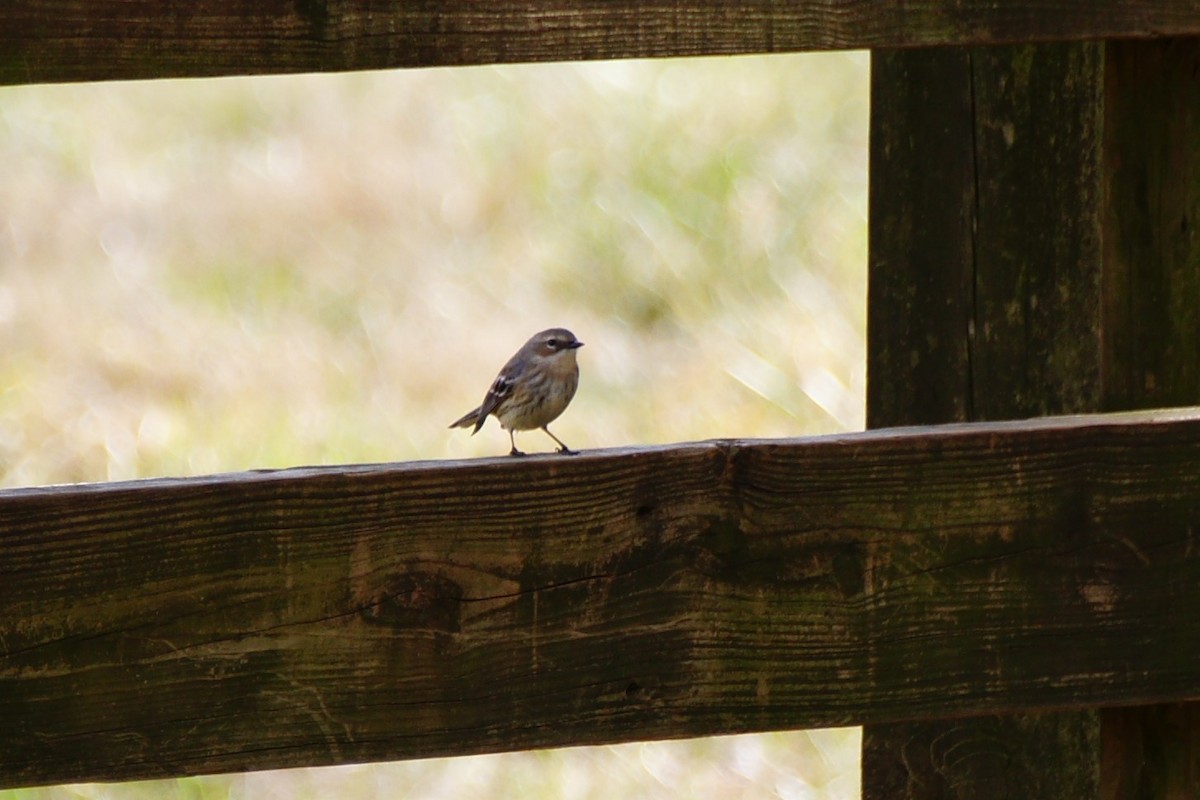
496 395
501 388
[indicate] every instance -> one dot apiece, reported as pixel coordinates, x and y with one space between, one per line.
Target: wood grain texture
921 238
78 40
1037 264
1152 752
327 616
1152 333
1080 265
1032 756
1152 224
985 303
985 294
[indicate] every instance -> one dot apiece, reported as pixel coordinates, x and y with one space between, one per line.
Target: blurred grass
784 766
201 276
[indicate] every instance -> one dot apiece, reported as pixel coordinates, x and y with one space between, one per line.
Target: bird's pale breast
540 400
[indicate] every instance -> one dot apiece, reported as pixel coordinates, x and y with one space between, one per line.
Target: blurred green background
202 276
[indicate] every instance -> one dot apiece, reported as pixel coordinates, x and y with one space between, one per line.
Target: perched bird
532 389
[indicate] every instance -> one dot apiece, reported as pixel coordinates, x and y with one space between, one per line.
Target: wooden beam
1050 265
333 615
77 40
985 298
1152 333
1151 222
920 291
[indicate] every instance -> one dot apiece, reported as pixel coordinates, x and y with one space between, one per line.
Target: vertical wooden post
1033 251
1151 339
984 245
1151 224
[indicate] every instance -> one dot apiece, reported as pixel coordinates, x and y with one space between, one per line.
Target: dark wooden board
1050 265
335 615
1152 332
1152 224
920 292
77 40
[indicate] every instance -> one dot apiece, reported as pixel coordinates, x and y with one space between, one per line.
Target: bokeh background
207 276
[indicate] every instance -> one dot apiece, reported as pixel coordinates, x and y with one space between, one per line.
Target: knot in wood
417 599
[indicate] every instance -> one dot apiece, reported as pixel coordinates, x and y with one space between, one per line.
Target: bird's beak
575 345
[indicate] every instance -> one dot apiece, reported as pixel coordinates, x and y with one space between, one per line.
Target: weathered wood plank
1033 756
1036 265
71 40
1152 332
987 293
1065 279
1152 752
1152 247
333 615
921 293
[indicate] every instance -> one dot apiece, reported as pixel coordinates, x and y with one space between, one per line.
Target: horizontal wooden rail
70 40
328 615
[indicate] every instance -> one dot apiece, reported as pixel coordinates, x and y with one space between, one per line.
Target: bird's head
556 344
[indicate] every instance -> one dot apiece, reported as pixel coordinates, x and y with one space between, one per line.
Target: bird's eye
553 343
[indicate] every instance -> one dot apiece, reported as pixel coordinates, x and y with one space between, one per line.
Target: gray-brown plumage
532 389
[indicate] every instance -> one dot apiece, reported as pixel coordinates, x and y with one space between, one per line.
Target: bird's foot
566 451
515 452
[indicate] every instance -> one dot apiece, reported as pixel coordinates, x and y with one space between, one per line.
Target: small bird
532 389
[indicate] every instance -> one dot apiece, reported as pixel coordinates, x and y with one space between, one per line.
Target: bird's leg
562 448
513 441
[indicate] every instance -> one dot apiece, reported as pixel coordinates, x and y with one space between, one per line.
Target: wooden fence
1010 607
316 616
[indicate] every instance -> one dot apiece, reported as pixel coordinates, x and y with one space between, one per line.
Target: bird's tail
471 418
